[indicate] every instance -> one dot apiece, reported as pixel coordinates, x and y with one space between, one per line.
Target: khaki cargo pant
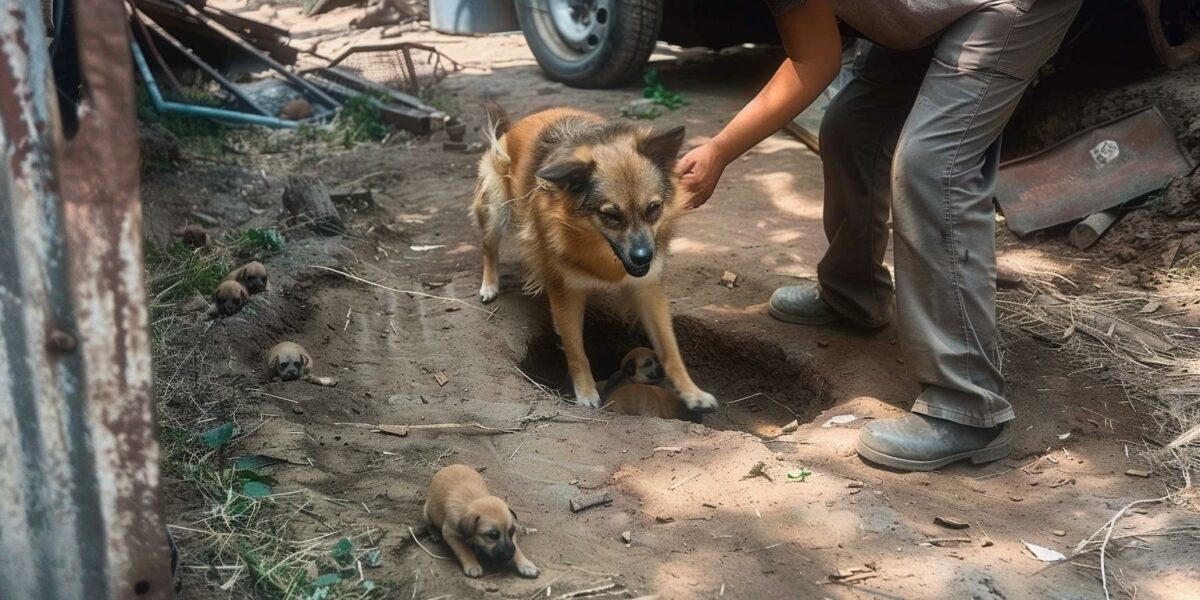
918 132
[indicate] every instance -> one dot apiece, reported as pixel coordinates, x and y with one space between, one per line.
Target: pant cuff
972 418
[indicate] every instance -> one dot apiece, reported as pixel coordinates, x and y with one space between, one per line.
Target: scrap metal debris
1091 172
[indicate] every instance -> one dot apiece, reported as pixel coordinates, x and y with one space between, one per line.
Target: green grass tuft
178 272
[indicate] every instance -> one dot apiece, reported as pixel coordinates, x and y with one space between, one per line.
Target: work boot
920 443
802 305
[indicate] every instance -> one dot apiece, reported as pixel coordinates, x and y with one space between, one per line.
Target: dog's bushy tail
497 125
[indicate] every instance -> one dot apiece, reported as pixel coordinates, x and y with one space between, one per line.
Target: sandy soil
700 527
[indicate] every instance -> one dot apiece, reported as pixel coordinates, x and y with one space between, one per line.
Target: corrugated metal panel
80 502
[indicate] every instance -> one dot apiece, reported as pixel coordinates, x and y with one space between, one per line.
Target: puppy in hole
637 389
289 361
229 299
253 275
474 523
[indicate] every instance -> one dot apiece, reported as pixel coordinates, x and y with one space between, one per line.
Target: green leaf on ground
327 579
342 551
255 489
800 475
373 558
217 436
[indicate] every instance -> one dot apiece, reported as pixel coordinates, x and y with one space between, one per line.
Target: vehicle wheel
590 43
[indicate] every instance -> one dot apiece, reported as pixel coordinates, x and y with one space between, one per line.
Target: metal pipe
163 105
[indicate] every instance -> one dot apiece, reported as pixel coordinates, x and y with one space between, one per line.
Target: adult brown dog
253 275
460 510
593 205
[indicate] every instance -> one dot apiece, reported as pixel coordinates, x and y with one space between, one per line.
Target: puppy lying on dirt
229 298
253 275
460 510
593 205
289 361
635 390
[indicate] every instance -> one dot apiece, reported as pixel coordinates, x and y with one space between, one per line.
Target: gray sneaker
920 443
802 305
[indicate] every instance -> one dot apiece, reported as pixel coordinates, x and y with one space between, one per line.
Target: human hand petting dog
699 171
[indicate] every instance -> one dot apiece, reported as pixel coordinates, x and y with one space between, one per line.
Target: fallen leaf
217 436
1150 307
838 420
327 579
1044 554
255 489
800 475
255 461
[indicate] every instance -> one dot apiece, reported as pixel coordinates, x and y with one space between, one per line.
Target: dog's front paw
700 401
475 570
488 292
590 399
526 569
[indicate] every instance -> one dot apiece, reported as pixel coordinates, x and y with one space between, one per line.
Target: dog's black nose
641 255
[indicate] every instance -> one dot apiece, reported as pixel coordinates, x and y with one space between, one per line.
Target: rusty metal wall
80 501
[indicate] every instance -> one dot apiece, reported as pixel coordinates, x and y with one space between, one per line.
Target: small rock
823 343
367 394
1058 532
1007 276
627 537
729 279
790 427
298 410
856 485
1138 473
951 522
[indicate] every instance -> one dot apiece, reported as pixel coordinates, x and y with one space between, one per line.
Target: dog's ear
467 524
567 174
304 359
662 147
243 293
275 363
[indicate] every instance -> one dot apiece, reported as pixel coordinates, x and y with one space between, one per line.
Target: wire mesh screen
402 66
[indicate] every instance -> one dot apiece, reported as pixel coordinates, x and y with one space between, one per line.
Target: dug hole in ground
736 507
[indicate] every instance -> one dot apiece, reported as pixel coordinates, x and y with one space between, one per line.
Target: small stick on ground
1108 529
588 592
402 430
681 482
348 312
414 538
396 291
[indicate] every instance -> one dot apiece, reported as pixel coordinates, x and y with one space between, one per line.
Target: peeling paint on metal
80 497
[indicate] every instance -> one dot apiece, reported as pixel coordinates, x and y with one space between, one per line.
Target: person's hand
699 171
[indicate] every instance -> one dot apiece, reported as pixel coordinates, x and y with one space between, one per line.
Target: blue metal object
473 16
163 105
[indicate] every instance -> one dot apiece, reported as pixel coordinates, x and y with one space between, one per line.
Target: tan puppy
289 361
634 390
229 298
253 275
460 510
593 206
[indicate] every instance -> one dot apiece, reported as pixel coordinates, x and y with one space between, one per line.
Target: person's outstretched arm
810 36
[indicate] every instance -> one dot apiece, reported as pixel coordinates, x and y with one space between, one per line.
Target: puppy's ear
662 147
467 524
243 293
567 174
275 362
304 359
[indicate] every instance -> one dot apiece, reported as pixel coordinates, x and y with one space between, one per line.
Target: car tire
590 43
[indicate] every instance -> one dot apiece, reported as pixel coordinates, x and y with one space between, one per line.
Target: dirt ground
699 526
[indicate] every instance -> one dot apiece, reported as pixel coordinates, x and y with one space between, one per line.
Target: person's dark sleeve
779 7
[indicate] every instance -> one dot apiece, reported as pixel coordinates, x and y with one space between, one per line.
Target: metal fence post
80 499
